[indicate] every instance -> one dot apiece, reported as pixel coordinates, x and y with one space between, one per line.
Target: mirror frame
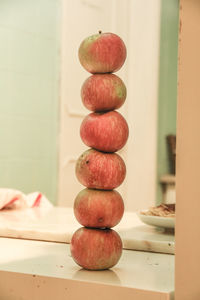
187 250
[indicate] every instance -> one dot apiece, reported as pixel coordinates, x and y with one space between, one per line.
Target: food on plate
162 210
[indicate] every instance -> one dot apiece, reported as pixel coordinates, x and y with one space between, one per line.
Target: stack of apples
99 207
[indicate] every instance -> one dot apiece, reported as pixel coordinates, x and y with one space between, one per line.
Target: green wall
29 39
167 85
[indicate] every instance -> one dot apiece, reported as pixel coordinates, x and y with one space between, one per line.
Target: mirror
40 105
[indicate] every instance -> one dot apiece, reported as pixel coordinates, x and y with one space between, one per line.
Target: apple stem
100 32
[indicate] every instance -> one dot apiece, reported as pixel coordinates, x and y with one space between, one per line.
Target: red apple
102 53
99 209
103 92
96 249
103 171
106 132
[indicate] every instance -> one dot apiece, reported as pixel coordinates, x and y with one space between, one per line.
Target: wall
167 85
29 42
29 72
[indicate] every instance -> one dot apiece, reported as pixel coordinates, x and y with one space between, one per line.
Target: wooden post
187 266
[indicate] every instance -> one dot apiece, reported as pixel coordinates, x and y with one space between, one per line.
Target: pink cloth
13 199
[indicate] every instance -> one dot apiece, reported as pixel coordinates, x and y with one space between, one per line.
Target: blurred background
40 105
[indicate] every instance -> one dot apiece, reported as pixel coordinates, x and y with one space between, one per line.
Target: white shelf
45 270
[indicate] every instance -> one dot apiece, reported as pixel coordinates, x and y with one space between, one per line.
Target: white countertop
39 270
57 224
